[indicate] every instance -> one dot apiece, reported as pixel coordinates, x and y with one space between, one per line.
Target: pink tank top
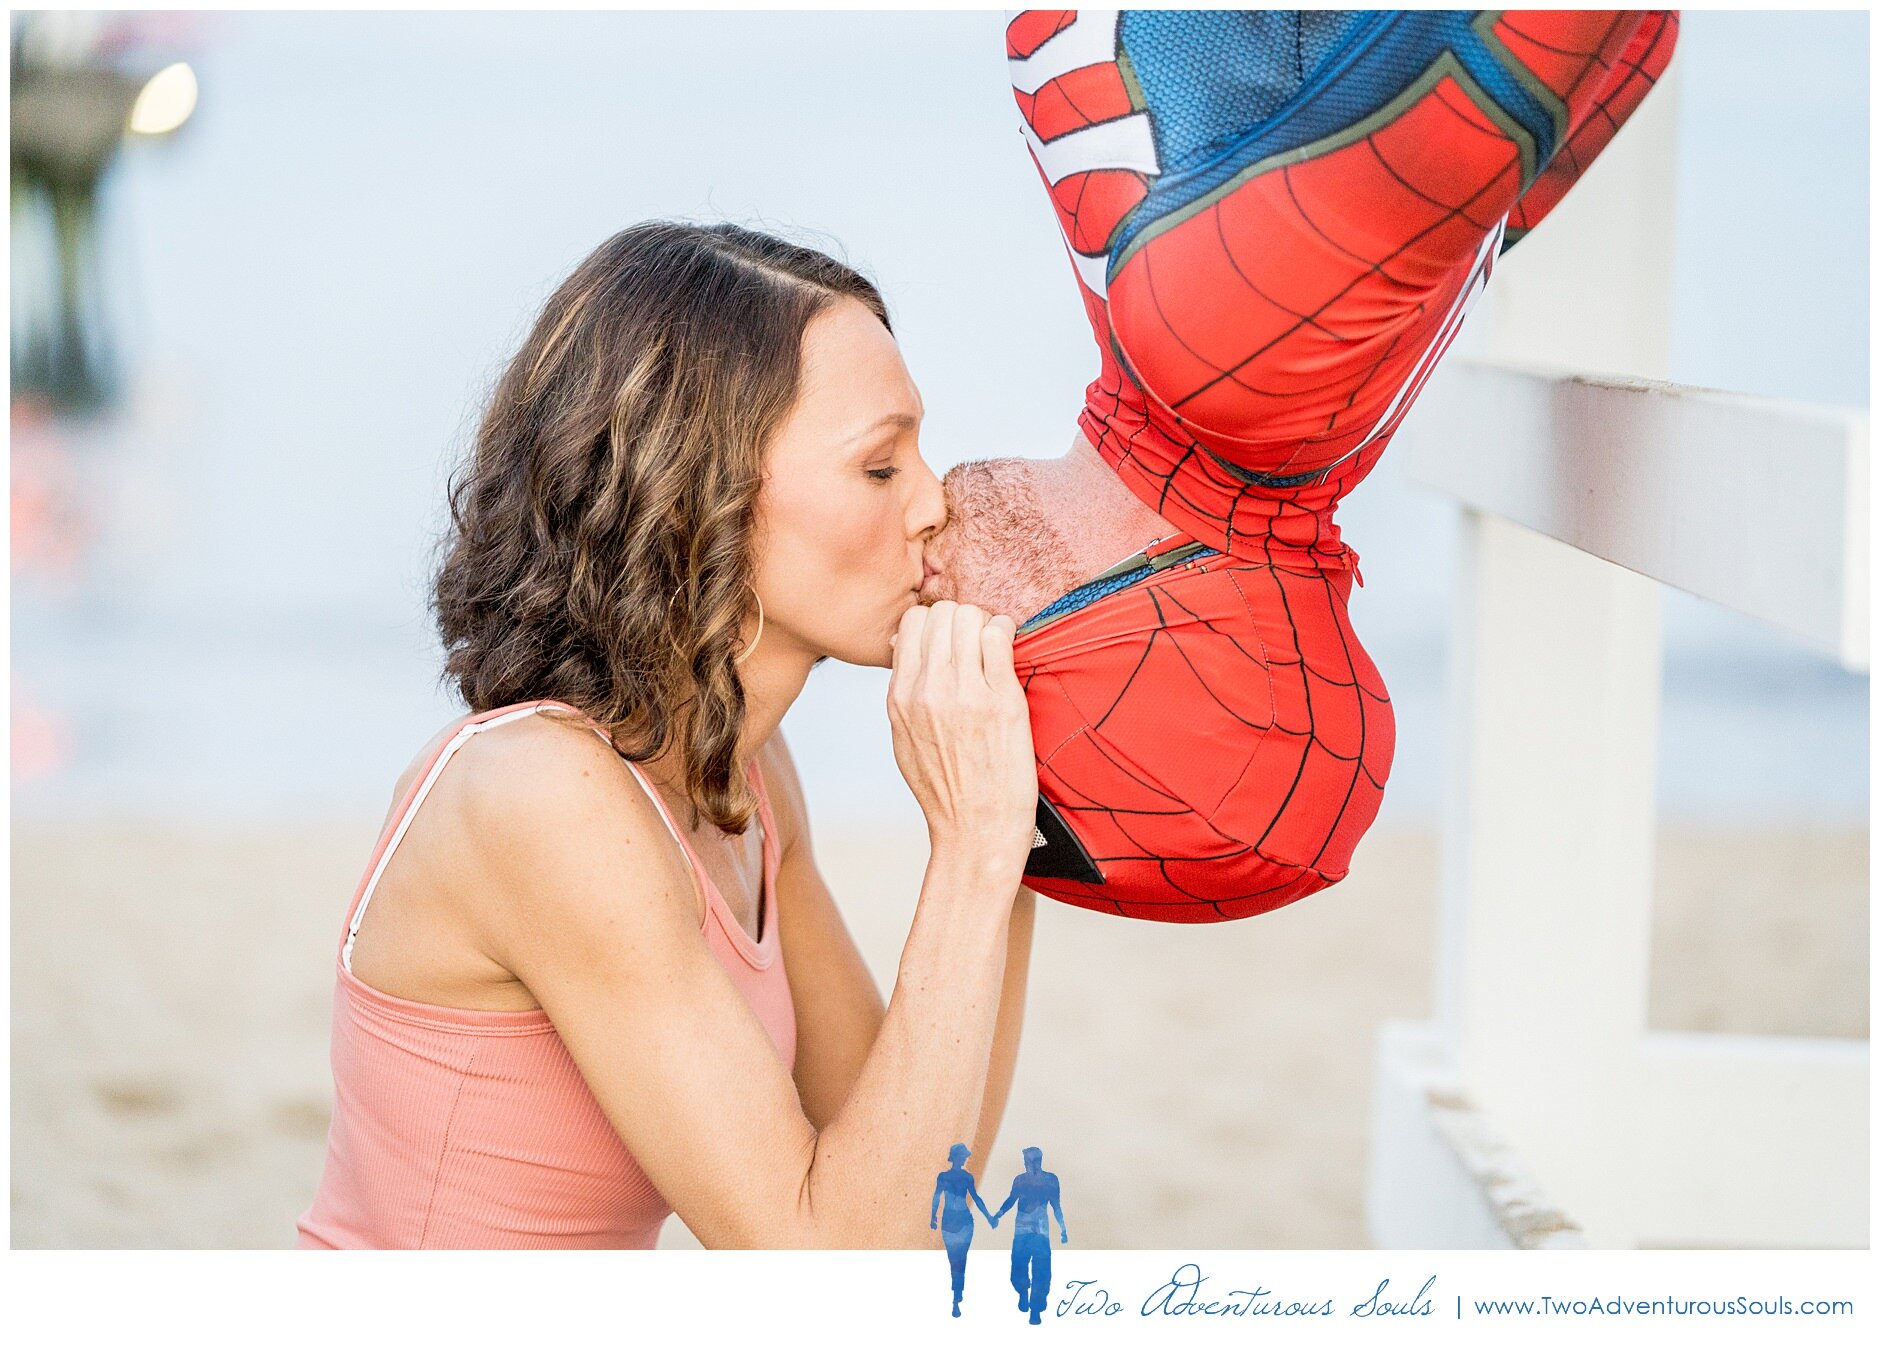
469 1128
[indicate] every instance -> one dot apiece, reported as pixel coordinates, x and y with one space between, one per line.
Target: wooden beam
1755 504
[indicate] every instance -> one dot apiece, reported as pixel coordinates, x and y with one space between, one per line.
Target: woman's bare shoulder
537 734
549 771
528 797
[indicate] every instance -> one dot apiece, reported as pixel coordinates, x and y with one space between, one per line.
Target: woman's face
847 503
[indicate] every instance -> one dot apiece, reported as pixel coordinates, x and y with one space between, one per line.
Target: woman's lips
929 582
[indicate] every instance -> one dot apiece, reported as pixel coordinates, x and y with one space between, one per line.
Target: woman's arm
838 1007
583 894
580 891
1011 1021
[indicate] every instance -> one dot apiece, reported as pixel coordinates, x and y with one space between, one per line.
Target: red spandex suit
1277 220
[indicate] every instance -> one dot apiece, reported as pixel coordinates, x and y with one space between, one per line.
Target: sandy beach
1202 1087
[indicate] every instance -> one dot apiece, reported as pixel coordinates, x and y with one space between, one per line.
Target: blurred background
264 268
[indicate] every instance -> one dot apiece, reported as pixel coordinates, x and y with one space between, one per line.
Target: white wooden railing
1537 1109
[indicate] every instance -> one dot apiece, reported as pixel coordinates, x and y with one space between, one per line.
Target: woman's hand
962 731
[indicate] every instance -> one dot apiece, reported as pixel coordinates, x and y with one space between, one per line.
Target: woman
602 980
956 1187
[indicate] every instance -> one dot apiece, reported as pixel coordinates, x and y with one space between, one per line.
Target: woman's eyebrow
900 418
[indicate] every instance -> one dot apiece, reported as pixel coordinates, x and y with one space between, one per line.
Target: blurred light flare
165 102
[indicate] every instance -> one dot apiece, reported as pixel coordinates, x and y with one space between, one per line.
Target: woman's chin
877 652
869 647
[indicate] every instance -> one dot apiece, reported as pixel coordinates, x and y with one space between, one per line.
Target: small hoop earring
745 654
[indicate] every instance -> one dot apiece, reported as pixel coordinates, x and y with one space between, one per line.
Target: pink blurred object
42 737
50 529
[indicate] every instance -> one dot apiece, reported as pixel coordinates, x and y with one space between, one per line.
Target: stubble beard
998 551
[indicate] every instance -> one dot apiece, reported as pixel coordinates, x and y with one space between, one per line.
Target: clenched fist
962 732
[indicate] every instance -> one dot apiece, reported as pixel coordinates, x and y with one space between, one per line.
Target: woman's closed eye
883 474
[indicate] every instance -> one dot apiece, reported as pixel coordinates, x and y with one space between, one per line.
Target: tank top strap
407 810
711 901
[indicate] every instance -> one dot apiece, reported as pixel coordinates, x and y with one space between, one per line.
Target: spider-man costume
1278 219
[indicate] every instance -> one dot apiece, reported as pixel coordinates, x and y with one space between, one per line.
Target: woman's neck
772 676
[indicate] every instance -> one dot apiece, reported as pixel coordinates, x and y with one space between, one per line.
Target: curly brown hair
600 543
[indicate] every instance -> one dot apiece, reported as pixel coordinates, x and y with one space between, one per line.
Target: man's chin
1004 599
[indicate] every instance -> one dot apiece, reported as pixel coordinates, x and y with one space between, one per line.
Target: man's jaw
990 585
997 551
1021 532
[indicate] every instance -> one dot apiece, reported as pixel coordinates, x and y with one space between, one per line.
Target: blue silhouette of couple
1035 1192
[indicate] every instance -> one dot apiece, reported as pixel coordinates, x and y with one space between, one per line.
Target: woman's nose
929 506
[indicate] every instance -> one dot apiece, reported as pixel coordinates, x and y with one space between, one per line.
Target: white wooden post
1547 861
